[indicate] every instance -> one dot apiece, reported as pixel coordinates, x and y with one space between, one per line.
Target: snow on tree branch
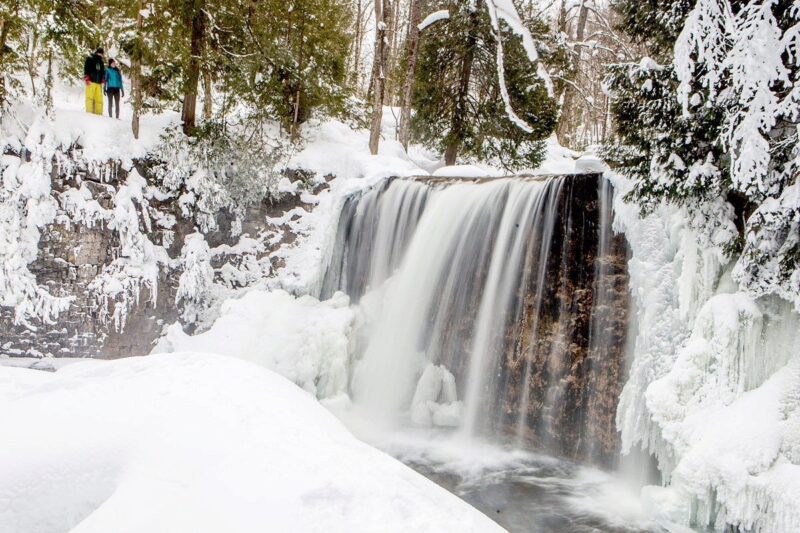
433 18
505 10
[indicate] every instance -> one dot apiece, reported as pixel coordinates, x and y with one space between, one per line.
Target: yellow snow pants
94 98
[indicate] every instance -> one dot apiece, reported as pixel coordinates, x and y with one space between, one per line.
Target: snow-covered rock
466 171
589 163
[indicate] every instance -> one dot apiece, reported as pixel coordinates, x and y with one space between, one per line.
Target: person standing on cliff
94 75
113 86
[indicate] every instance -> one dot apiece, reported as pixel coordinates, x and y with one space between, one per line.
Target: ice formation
713 385
300 338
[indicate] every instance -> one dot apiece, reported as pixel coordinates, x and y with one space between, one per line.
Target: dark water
549 496
522 490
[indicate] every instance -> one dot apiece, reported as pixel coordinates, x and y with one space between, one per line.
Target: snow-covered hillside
197 442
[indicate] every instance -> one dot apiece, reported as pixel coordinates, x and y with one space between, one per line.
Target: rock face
528 307
75 250
569 358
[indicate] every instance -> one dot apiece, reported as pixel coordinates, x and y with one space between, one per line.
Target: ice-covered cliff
714 382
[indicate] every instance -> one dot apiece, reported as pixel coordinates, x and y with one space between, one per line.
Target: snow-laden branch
505 10
433 18
704 40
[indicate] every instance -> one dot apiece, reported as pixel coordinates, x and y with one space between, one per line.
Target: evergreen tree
714 127
43 33
459 105
283 60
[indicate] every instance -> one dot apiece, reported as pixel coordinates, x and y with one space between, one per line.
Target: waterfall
490 305
374 230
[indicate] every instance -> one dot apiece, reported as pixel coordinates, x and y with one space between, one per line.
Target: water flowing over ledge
499 306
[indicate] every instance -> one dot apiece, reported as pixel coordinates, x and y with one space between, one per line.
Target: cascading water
499 306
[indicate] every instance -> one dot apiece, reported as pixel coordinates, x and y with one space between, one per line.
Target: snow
558 159
506 11
27 204
742 60
465 171
590 163
433 18
197 442
435 401
120 283
26 207
101 137
197 278
300 338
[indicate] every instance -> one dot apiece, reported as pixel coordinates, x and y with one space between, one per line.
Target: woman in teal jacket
113 86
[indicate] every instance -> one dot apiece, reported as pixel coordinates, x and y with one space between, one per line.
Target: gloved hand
87 81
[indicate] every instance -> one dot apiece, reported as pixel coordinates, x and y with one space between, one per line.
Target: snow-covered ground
197 442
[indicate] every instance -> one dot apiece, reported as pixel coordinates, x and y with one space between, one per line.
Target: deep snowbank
194 442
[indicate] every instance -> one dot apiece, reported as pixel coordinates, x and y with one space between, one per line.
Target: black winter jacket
94 68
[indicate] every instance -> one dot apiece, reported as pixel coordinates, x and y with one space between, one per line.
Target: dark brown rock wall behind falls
572 390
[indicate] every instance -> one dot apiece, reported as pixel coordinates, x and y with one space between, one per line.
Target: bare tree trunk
383 10
393 28
188 115
31 60
357 43
460 111
136 73
3 36
565 123
412 50
48 87
295 133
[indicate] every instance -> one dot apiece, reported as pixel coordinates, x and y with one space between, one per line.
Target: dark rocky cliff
73 253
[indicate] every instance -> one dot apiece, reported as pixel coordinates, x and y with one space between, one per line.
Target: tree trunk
31 61
357 45
565 123
383 10
208 102
295 133
393 28
48 87
136 73
412 50
189 113
460 111
3 36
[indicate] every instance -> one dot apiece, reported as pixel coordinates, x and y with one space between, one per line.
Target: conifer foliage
460 108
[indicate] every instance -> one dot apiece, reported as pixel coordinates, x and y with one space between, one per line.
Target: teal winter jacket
113 78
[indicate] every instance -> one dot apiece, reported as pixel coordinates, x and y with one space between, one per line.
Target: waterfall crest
513 289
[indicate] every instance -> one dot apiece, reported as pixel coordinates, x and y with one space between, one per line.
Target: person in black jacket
94 75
